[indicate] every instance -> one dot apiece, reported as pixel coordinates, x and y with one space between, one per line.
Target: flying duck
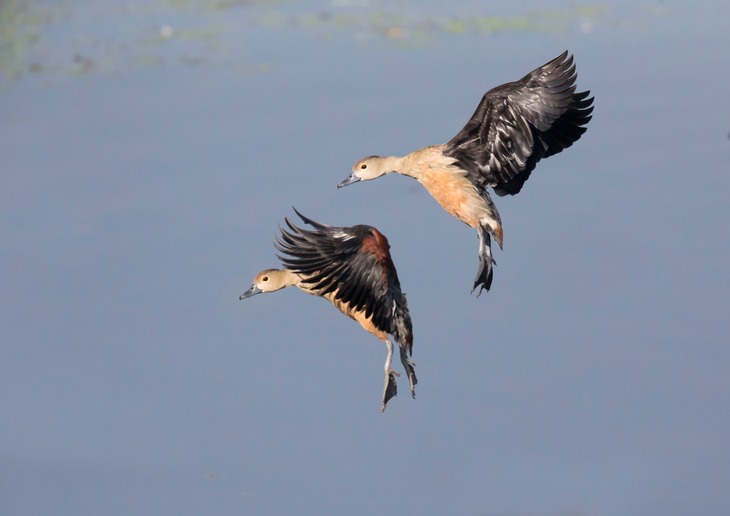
352 268
514 126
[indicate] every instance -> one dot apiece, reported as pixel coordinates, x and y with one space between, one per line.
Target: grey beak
250 292
352 178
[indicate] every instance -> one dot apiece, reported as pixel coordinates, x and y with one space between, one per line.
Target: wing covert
518 123
355 265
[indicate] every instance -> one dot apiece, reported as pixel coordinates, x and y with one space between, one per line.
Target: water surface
149 153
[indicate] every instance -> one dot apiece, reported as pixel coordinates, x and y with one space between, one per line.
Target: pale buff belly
358 315
456 195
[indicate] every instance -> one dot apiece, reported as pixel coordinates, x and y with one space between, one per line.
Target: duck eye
265 278
363 166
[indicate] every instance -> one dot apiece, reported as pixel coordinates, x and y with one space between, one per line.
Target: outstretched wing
353 264
518 123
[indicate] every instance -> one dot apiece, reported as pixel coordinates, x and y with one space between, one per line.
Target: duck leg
486 262
390 389
410 368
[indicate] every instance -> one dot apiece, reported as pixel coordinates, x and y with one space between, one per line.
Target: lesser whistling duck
514 126
352 268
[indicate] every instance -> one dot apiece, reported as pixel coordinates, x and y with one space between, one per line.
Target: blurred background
150 149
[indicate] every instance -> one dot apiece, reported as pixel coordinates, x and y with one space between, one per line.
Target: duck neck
419 162
291 279
285 278
395 164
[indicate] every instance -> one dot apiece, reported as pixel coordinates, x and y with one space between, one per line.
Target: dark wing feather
518 123
355 263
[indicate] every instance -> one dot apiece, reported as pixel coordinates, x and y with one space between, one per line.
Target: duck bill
352 178
250 292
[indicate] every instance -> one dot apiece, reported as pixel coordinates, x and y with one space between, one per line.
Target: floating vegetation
75 38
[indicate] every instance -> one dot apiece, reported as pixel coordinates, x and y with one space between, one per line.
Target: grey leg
409 366
486 262
390 389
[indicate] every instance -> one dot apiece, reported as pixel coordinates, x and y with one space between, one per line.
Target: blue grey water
149 153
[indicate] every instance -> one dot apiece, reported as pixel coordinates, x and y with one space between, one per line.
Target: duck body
449 184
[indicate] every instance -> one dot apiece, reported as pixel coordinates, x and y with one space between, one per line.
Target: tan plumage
514 126
352 268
